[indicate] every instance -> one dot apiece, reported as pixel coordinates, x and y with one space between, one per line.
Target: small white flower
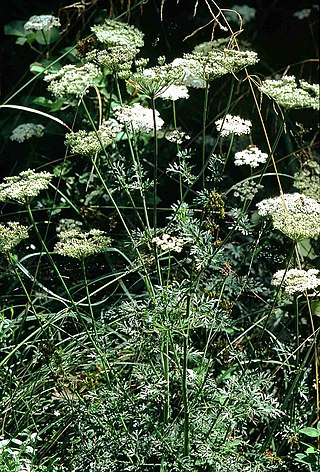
11 234
176 136
169 243
233 125
193 76
41 23
78 244
246 190
247 13
90 143
72 80
296 280
26 131
289 94
22 187
252 156
294 214
174 92
302 14
116 33
138 117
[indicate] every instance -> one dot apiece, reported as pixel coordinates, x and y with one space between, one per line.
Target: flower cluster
233 125
252 156
115 33
90 143
41 23
176 136
154 81
174 92
116 59
289 94
26 131
294 214
302 14
138 117
72 80
201 66
192 72
246 190
24 186
11 234
77 244
247 13
169 243
296 280
307 180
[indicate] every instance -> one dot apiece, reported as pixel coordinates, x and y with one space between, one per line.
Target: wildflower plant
290 93
21 188
11 234
296 280
42 23
294 214
151 321
26 131
78 244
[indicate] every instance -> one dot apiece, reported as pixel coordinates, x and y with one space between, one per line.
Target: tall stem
186 412
204 125
155 164
45 250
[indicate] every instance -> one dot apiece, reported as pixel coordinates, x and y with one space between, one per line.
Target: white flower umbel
174 92
169 243
24 186
233 125
252 156
204 65
246 190
77 244
296 281
90 143
177 136
192 72
153 81
247 14
287 93
116 59
11 234
26 131
115 33
72 80
41 23
138 117
294 214
302 14
307 180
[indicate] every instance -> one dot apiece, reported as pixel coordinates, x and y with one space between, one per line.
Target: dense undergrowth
159 234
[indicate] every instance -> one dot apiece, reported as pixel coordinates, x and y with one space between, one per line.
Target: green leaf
15 28
21 40
36 68
311 432
47 37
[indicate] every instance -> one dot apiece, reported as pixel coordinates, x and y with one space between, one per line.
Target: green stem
165 361
174 114
45 250
186 412
155 164
204 125
296 316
